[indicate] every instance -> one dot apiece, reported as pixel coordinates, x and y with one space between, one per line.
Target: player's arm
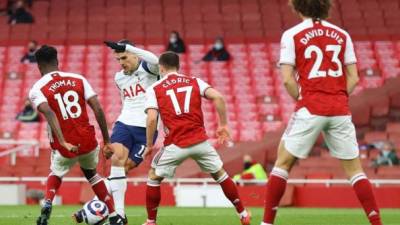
141 53
289 81
287 62
93 102
352 77
151 126
350 61
51 118
100 118
223 132
151 109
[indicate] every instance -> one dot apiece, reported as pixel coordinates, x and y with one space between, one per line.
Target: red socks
101 192
53 183
365 195
153 198
231 193
275 189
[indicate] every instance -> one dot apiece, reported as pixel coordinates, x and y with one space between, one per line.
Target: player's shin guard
118 186
101 192
153 198
230 190
363 189
275 189
53 183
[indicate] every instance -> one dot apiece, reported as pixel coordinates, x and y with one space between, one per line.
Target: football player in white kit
139 71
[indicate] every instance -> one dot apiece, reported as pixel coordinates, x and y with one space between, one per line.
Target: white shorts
304 128
61 165
170 157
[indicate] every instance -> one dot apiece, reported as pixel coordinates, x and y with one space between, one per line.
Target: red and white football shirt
66 94
320 51
178 99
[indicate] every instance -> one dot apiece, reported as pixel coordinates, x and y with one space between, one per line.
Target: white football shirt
133 93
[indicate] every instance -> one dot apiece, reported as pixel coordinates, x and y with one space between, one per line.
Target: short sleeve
287 53
203 86
89 92
36 97
151 99
349 54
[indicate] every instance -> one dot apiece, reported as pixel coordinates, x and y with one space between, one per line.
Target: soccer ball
95 212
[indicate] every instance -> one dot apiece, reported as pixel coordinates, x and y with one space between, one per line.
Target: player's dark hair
169 60
315 9
46 55
34 42
126 41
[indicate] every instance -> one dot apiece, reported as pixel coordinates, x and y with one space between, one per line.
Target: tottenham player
322 57
177 98
62 97
139 71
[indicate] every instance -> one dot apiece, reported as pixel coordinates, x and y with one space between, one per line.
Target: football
95 212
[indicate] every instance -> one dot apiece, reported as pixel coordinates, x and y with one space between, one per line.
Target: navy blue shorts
133 138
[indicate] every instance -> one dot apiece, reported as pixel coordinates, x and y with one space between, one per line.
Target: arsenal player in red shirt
61 97
319 71
177 99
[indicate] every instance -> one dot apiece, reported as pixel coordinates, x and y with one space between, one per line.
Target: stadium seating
89 21
257 103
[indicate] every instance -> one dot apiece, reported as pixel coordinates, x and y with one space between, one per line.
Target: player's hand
108 150
223 134
147 152
118 47
70 147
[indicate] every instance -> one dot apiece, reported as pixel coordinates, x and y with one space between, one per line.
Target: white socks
118 185
266 223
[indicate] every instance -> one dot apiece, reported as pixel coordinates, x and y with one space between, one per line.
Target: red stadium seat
374 136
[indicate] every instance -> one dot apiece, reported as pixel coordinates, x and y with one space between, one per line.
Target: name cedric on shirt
173 81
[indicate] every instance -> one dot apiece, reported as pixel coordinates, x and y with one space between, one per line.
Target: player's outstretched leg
363 189
153 197
277 184
53 183
117 178
101 192
230 190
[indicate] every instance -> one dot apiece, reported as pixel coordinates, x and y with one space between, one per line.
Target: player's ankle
244 214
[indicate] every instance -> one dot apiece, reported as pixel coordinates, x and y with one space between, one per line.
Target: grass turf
26 215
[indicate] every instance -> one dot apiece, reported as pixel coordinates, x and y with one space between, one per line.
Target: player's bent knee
352 167
219 174
285 159
120 155
153 176
129 165
89 173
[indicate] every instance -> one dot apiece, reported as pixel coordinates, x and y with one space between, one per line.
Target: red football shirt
320 51
178 99
66 94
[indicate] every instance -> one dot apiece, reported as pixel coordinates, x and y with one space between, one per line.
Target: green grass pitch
26 215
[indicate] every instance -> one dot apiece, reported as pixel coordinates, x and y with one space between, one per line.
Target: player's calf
100 189
230 190
153 197
117 178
